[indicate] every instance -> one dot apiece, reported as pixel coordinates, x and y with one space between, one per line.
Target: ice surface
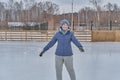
20 61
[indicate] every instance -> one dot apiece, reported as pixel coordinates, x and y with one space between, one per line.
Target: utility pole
78 18
72 18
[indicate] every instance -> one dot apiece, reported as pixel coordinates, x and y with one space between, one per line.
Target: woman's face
64 26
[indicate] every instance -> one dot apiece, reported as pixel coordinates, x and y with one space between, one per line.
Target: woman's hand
41 53
81 49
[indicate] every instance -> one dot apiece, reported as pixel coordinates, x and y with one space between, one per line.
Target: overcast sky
66 5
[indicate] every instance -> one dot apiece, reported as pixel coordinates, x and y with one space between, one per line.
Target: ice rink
20 61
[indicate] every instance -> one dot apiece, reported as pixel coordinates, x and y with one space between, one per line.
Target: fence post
26 35
5 35
91 25
47 34
110 25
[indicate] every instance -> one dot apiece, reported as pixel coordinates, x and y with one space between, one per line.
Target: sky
66 5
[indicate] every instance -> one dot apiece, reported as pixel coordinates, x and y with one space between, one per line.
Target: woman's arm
49 45
77 43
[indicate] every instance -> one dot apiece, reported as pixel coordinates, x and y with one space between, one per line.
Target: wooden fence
39 35
106 35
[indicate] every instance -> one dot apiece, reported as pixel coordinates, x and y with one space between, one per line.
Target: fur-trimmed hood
62 22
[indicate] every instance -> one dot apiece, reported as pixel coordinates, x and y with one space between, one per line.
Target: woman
64 53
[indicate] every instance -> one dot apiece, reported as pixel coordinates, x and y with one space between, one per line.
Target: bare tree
2 9
35 12
116 10
50 7
17 8
96 4
86 16
40 10
109 7
20 9
11 9
27 10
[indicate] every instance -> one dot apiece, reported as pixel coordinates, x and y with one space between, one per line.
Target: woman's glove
81 49
41 53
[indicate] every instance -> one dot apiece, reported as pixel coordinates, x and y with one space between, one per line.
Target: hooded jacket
64 39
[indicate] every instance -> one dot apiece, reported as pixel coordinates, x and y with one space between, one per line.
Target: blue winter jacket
64 43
